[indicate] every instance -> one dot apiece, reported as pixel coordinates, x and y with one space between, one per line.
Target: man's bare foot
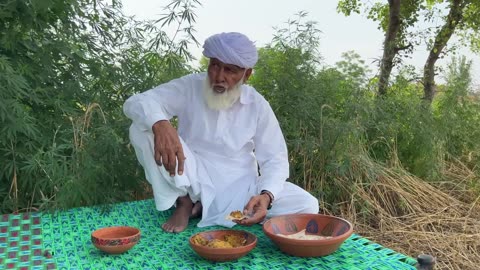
196 210
178 221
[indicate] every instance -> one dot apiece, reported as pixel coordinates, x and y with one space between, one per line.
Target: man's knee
311 205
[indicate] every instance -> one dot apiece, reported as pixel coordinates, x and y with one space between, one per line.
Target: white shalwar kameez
222 149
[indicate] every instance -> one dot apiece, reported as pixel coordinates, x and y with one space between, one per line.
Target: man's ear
248 72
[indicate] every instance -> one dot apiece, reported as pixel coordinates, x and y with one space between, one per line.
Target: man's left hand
255 210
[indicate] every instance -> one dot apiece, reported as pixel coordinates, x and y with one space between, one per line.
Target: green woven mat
21 244
67 236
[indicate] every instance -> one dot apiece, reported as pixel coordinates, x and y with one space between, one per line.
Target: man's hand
168 148
256 210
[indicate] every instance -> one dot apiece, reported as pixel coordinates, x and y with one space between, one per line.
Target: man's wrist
158 123
270 196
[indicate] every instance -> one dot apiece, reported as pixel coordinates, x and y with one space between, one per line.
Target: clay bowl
223 254
115 240
337 229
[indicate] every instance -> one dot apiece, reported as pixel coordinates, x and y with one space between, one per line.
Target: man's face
225 76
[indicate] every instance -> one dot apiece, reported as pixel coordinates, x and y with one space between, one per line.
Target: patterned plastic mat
21 244
62 241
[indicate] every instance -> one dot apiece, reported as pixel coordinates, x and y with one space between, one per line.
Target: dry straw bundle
413 216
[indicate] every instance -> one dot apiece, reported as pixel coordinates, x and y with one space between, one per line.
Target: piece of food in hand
301 235
234 215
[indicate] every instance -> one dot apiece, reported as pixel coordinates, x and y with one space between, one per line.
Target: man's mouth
220 89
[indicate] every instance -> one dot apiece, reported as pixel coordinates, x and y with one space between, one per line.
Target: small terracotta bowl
115 240
336 229
223 254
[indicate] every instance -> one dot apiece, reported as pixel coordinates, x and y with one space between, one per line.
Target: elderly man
229 153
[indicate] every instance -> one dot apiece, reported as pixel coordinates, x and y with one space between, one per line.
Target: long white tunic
222 147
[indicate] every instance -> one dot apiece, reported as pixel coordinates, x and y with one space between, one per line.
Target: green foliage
309 103
203 64
299 34
333 122
470 28
66 67
458 112
353 68
402 127
348 6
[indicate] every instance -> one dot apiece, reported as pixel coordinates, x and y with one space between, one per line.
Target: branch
397 49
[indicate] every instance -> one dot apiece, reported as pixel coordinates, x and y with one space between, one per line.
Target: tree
463 16
394 18
389 45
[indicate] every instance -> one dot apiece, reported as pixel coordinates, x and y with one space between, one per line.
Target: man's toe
166 227
178 229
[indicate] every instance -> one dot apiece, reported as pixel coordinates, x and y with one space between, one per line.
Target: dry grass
413 216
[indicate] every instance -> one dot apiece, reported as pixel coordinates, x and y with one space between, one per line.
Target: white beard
221 101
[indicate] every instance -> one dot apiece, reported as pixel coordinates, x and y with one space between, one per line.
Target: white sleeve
271 151
160 103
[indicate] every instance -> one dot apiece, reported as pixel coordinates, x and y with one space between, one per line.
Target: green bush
66 68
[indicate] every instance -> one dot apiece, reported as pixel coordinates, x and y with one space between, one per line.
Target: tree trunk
454 17
389 45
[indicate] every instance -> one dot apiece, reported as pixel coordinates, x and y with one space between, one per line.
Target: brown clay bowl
223 254
115 240
336 228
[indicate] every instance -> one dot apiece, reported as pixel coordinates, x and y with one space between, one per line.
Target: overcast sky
257 19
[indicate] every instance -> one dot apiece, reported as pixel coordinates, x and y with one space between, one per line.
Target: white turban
231 48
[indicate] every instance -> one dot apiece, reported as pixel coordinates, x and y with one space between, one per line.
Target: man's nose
220 75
